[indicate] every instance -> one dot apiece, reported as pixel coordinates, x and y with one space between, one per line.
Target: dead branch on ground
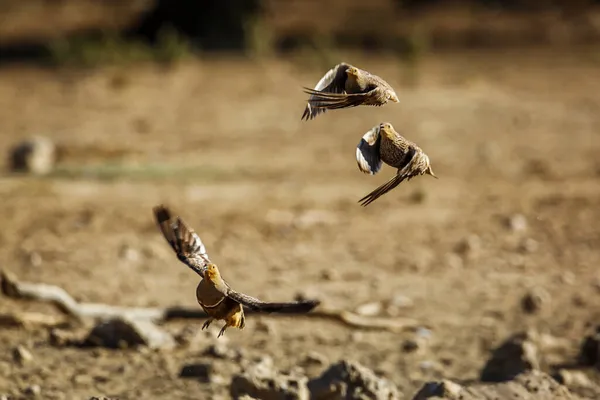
57 296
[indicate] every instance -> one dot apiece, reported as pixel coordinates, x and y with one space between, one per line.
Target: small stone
128 253
33 390
369 309
469 246
201 371
123 332
528 245
427 365
34 259
351 380
21 355
573 378
424 333
534 300
410 345
517 223
516 355
401 301
444 389
589 352
397 304
314 357
36 155
260 380
60 338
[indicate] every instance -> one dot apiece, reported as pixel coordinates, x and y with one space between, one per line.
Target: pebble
128 253
573 378
21 355
314 357
36 155
517 223
528 245
201 371
369 309
33 390
469 246
534 300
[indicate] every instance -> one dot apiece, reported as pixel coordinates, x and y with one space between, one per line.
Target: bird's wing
332 101
183 240
367 152
334 81
294 307
403 174
321 101
261 306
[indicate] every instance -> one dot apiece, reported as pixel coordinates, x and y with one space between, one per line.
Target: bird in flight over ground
214 295
346 86
382 144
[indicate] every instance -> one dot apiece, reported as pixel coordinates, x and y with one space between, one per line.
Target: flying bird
214 295
347 86
382 144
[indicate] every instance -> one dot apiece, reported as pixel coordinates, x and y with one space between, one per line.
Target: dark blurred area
34 29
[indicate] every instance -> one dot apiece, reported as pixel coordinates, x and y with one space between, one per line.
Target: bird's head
387 129
352 71
211 272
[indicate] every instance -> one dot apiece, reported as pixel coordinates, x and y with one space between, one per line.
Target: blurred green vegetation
116 171
169 30
113 48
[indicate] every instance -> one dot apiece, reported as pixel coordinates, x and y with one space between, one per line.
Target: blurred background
110 107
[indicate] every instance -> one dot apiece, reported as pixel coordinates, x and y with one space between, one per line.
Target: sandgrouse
214 295
382 144
347 86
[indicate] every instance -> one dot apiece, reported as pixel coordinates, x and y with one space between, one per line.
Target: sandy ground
513 137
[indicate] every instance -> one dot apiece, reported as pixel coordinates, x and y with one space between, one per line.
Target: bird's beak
394 98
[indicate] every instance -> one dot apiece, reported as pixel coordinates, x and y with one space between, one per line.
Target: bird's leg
222 331
207 323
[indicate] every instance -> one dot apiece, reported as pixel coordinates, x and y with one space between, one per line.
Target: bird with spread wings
214 295
346 86
382 144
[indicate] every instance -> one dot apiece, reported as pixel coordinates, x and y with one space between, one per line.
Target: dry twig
81 311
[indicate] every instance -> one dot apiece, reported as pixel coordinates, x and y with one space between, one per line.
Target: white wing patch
329 77
367 152
198 248
195 247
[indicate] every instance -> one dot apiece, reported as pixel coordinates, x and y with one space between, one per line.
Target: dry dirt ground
512 135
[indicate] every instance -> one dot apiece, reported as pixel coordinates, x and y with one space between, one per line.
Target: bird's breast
207 295
354 84
391 154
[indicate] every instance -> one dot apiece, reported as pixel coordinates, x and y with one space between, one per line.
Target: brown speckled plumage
214 295
347 86
383 144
